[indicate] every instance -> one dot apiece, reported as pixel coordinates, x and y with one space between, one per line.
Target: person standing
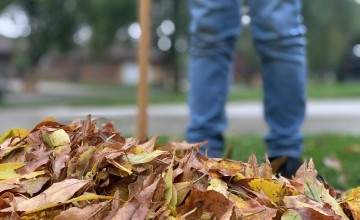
278 34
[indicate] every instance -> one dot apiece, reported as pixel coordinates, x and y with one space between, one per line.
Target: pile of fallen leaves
80 171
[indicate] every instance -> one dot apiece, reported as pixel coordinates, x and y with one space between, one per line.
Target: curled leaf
56 138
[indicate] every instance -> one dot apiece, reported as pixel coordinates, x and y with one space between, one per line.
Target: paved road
336 116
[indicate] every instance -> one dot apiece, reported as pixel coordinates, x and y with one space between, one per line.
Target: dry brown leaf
147 183
58 192
210 203
34 160
9 184
94 211
138 206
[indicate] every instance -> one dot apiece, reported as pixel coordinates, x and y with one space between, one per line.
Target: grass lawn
101 94
314 91
114 94
332 148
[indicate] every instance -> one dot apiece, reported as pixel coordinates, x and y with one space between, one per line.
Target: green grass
318 147
314 91
334 90
113 94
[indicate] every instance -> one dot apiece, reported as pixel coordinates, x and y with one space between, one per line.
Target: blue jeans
278 34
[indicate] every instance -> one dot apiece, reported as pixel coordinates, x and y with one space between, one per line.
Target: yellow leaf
239 202
231 165
272 189
351 200
352 195
117 165
14 132
239 176
7 170
138 150
88 196
32 175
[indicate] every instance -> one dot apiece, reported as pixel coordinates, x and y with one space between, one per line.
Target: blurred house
118 65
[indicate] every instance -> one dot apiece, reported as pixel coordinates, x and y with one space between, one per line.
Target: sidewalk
323 116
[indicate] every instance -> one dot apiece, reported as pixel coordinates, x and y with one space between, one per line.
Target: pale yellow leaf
32 175
7 170
218 186
239 202
34 185
14 132
317 191
271 188
56 138
291 215
144 157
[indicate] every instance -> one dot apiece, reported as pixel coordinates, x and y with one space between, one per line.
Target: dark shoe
285 166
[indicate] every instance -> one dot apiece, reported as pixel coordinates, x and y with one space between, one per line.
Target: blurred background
96 42
70 58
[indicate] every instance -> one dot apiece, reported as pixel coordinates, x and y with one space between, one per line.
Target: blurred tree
331 25
105 17
4 3
54 23
52 26
173 12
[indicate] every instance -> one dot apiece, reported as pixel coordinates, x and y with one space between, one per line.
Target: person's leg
278 34
213 31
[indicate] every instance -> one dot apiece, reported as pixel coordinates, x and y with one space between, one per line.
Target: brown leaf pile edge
81 171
